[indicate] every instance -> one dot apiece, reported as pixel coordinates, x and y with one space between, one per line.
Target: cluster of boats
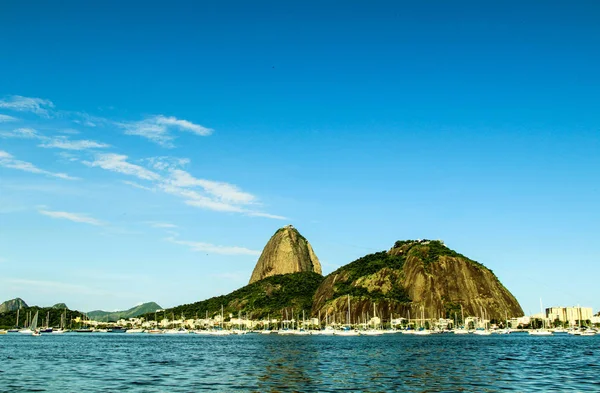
328 331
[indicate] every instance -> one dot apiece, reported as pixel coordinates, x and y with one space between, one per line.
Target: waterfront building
569 314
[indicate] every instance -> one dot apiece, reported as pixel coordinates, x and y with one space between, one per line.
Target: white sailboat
543 331
422 331
347 330
462 329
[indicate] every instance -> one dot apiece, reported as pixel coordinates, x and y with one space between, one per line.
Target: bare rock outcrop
286 252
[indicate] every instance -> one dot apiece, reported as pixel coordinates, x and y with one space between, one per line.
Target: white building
569 314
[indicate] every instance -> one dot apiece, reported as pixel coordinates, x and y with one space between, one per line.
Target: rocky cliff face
286 252
416 277
12 305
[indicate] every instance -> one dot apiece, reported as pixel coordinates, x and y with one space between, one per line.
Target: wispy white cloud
213 249
155 224
76 217
266 215
7 160
68 144
7 118
138 185
224 192
38 106
23 133
166 163
118 163
201 193
57 142
158 128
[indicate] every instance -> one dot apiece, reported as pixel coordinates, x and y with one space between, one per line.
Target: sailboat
33 326
220 331
347 330
482 331
462 329
373 331
422 331
543 331
63 319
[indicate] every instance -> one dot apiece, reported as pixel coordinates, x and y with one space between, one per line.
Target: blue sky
149 151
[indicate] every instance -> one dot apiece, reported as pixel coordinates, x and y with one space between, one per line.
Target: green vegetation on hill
289 292
8 319
62 306
429 251
108 316
366 266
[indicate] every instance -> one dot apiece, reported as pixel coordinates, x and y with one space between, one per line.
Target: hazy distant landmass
416 277
112 316
12 305
60 305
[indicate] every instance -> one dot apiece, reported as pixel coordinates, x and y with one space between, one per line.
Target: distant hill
62 306
12 305
112 316
273 295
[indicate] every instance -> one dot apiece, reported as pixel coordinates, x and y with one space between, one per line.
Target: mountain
286 252
273 295
112 316
416 276
12 305
61 306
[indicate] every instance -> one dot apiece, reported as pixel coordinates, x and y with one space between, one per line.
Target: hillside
286 252
60 305
9 319
272 295
113 316
12 305
416 277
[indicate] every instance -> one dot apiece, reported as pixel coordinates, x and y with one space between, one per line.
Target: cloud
161 224
38 106
224 192
165 163
24 133
213 249
118 163
59 142
7 118
137 185
211 195
8 161
76 217
158 129
67 144
266 215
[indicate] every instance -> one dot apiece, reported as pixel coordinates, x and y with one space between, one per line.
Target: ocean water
258 363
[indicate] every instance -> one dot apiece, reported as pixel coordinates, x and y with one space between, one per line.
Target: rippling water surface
258 363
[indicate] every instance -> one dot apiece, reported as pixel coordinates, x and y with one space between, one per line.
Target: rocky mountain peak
286 252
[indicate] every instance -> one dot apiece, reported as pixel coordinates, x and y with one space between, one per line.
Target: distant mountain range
12 305
112 316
